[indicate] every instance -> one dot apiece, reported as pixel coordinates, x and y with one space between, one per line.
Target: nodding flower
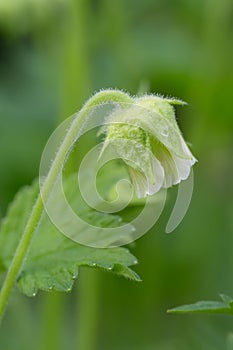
146 136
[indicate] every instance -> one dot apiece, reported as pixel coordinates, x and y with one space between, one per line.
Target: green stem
24 244
51 317
20 254
74 65
88 292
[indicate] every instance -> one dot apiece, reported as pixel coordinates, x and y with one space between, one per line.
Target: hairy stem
33 221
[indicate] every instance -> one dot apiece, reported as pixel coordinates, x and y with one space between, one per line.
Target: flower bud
146 136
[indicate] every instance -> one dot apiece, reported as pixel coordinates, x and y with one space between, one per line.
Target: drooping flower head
146 136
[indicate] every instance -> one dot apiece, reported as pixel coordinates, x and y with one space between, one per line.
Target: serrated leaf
206 307
53 260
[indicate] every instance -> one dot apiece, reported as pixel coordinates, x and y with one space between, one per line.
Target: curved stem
24 244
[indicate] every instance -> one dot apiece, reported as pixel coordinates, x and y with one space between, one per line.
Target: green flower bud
146 136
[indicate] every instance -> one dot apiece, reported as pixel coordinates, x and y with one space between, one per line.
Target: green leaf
206 307
53 260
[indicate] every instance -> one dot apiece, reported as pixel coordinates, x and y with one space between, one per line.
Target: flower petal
139 182
184 165
149 182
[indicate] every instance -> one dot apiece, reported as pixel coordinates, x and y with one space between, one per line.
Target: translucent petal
145 184
184 165
139 182
171 174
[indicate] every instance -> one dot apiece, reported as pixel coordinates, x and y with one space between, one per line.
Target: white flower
146 136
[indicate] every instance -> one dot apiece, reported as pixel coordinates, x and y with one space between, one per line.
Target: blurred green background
54 55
